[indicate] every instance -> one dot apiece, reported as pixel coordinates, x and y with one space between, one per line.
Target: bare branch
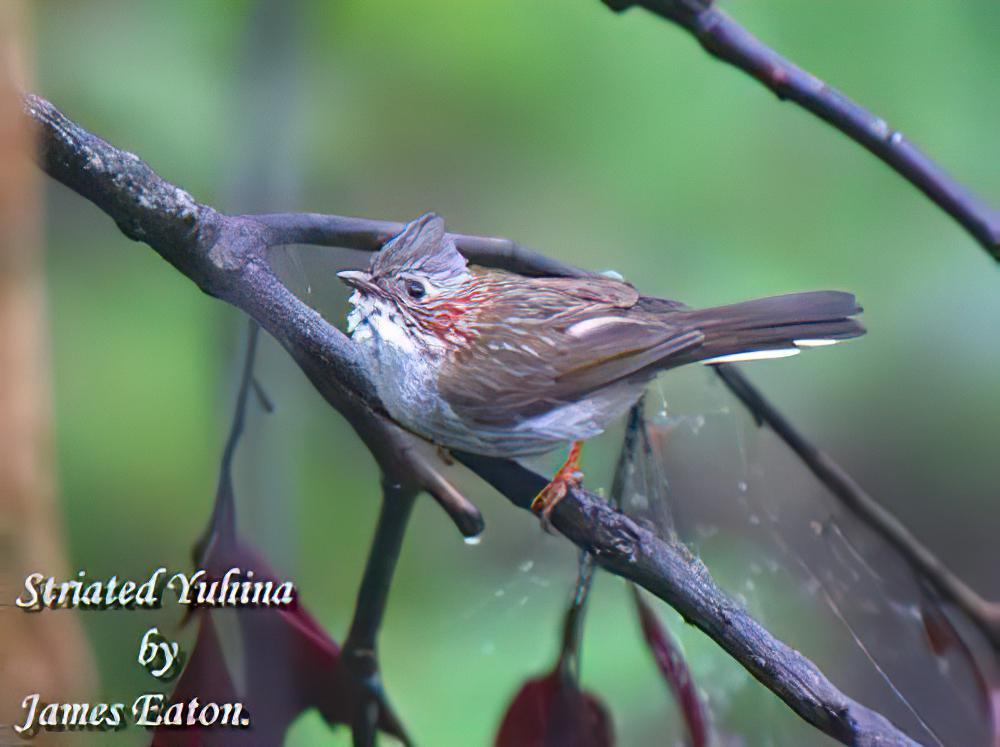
226 257
360 652
726 40
222 524
397 505
360 685
368 235
672 573
986 615
572 640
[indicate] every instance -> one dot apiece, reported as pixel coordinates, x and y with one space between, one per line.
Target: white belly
406 381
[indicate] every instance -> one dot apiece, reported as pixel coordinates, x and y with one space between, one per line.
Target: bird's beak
362 281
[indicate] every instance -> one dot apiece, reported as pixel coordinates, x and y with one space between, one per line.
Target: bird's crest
422 248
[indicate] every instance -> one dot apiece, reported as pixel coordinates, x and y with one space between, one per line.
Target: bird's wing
546 342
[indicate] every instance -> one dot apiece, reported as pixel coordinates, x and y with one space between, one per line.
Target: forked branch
226 256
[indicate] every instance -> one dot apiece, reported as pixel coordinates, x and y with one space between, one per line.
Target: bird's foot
568 476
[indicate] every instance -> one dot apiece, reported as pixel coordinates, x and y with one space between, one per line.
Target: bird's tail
774 327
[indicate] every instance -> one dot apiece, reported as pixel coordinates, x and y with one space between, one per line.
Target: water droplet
742 486
526 566
697 424
474 540
754 519
499 593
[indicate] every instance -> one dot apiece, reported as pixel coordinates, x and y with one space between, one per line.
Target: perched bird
500 364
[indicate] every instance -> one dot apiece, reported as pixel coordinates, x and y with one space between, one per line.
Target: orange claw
569 475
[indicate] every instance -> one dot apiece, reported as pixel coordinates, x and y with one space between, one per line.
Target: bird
500 364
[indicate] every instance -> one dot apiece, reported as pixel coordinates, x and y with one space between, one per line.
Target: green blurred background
608 141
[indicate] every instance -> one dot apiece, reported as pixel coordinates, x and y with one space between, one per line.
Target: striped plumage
501 364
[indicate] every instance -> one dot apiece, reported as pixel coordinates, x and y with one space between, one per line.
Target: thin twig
360 652
725 39
669 570
572 641
222 524
985 615
226 257
626 455
369 234
397 505
668 657
226 509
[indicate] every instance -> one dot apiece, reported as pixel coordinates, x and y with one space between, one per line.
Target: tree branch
369 235
360 652
672 573
726 40
985 615
397 505
226 257
222 523
572 639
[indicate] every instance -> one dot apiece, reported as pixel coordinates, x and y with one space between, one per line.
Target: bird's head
417 292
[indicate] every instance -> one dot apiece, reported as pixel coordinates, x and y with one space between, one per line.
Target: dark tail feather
777 323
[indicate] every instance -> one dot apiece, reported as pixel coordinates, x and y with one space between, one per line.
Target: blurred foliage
609 141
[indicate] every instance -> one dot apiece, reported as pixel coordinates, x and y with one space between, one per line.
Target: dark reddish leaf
675 671
941 634
206 677
553 712
290 665
944 639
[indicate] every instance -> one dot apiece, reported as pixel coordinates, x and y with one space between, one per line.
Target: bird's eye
415 288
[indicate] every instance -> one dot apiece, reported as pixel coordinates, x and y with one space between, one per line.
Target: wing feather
543 343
